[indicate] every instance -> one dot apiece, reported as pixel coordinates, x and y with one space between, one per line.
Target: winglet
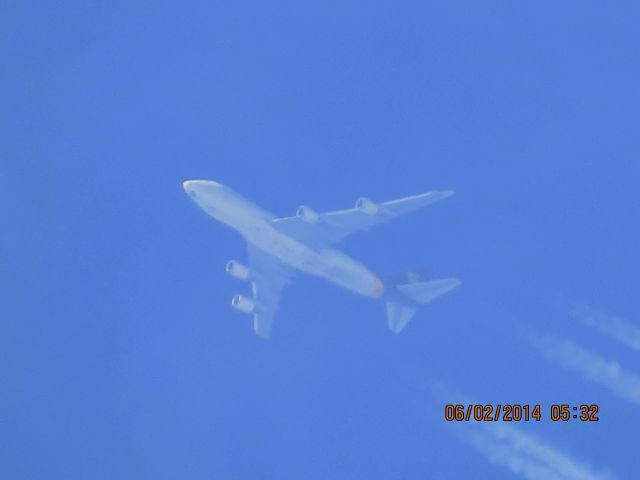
262 325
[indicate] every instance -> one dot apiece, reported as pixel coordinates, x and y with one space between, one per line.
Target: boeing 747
278 247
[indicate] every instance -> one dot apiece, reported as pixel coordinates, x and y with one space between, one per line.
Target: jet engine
307 214
237 270
242 303
366 206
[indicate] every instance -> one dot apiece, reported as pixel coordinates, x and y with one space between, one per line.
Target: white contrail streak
525 455
521 453
593 367
621 330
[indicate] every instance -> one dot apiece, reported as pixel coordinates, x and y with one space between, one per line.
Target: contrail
621 330
593 367
525 455
522 454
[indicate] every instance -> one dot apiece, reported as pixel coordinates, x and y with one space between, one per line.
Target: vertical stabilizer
398 315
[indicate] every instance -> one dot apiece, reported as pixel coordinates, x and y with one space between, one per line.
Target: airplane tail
406 298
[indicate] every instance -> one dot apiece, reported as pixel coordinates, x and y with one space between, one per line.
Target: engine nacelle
367 206
307 214
244 304
237 270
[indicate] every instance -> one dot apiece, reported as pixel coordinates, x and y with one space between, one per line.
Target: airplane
278 247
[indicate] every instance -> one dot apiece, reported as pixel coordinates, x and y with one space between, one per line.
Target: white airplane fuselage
255 225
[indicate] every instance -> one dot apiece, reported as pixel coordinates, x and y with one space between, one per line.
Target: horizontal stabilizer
417 293
425 292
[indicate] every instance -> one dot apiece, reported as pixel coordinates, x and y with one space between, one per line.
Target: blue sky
121 356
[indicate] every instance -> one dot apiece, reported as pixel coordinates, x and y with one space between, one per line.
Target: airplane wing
269 276
331 227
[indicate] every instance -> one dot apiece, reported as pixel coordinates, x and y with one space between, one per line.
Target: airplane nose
194 184
192 187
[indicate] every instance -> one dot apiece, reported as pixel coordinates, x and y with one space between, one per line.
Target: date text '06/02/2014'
519 412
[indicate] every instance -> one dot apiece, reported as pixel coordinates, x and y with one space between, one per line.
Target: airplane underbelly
346 272
327 263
